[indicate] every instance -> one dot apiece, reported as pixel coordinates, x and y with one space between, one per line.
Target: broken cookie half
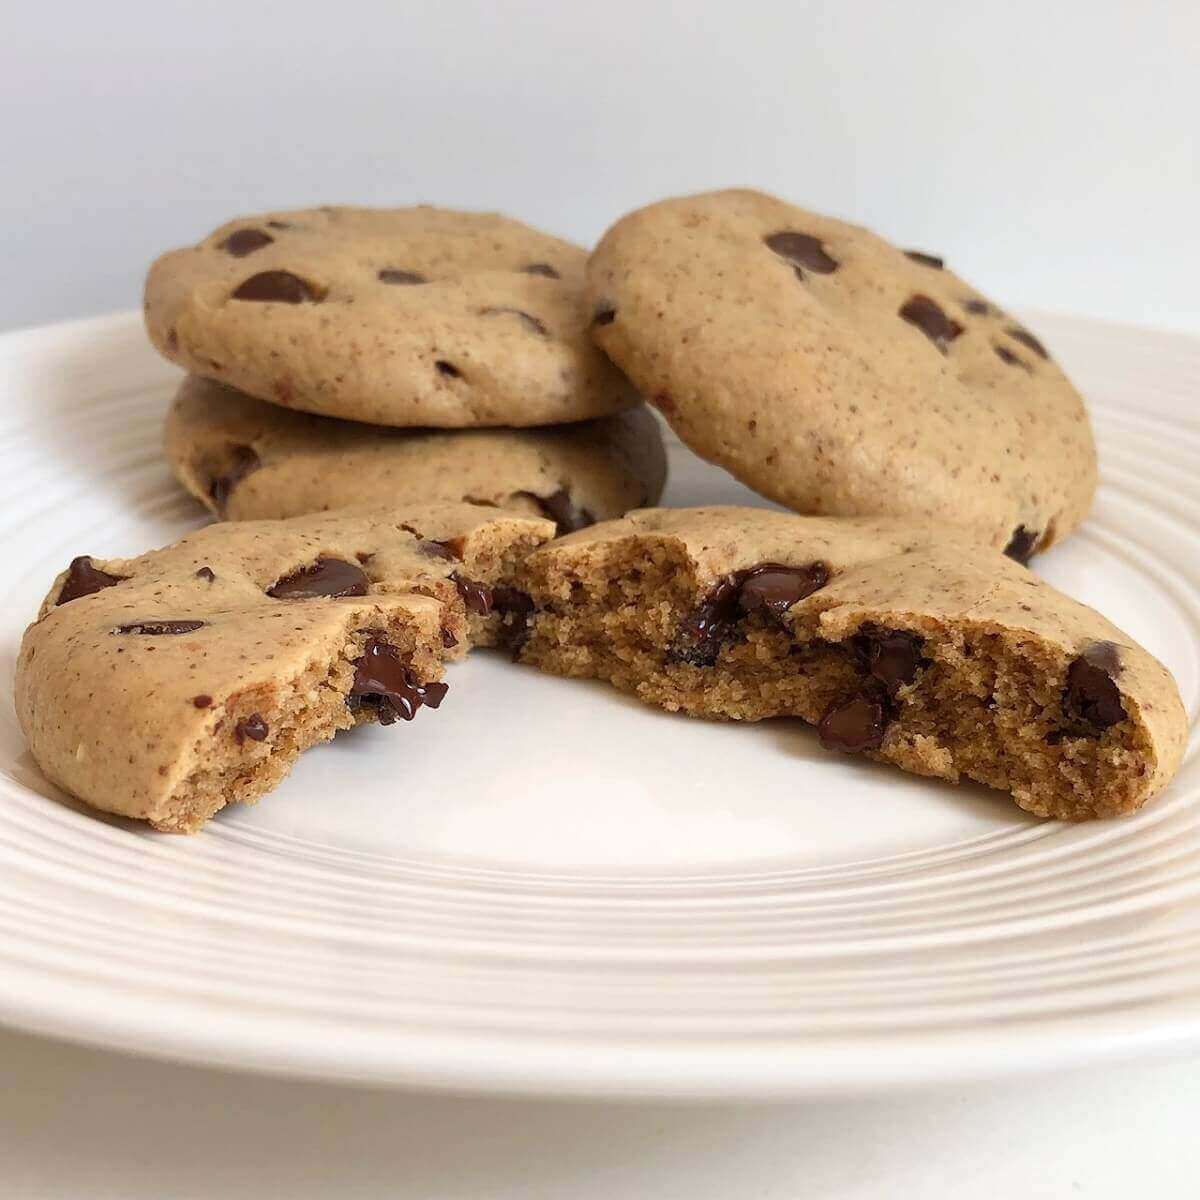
166 686
898 640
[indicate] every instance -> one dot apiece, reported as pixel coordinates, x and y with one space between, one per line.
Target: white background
1047 147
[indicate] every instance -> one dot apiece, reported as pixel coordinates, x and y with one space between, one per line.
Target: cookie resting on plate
897 639
407 316
247 460
166 686
839 375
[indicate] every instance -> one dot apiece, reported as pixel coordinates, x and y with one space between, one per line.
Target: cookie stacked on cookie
340 355
460 390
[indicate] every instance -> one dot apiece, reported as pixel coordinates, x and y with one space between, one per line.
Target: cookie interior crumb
984 702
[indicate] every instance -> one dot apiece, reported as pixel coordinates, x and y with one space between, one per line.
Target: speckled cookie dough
897 639
247 460
167 686
839 375
410 316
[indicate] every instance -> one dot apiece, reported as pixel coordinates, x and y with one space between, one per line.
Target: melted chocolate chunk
802 250
396 275
281 287
437 550
252 727
1027 339
926 260
929 318
161 628
978 308
243 461
559 509
530 322
448 369
516 612
83 579
1022 544
1005 355
605 314
892 656
202 701
383 682
1105 655
702 635
511 601
245 241
206 573
769 588
1091 699
541 269
476 597
854 725
772 588
326 577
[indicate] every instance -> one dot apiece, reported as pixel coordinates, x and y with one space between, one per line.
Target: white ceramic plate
545 887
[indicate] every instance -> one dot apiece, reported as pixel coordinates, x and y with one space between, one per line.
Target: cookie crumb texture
167 686
247 460
407 317
896 641
838 374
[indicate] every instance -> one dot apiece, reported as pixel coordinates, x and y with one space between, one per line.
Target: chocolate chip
772 588
1105 655
1091 699
541 269
559 509
326 577
1027 339
1005 355
605 314
437 550
83 578
1022 544
448 639
929 318
802 250
476 597
854 725
892 656
280 225
979 308
511 601
516 611
243 460
926 260
280 286
252 727
161 628
202 701
245 241
448 369
396 275
383 682
530 322
206 573
701 636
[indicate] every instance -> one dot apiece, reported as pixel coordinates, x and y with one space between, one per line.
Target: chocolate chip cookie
897 639
412 316
839 375
166 686
247 460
